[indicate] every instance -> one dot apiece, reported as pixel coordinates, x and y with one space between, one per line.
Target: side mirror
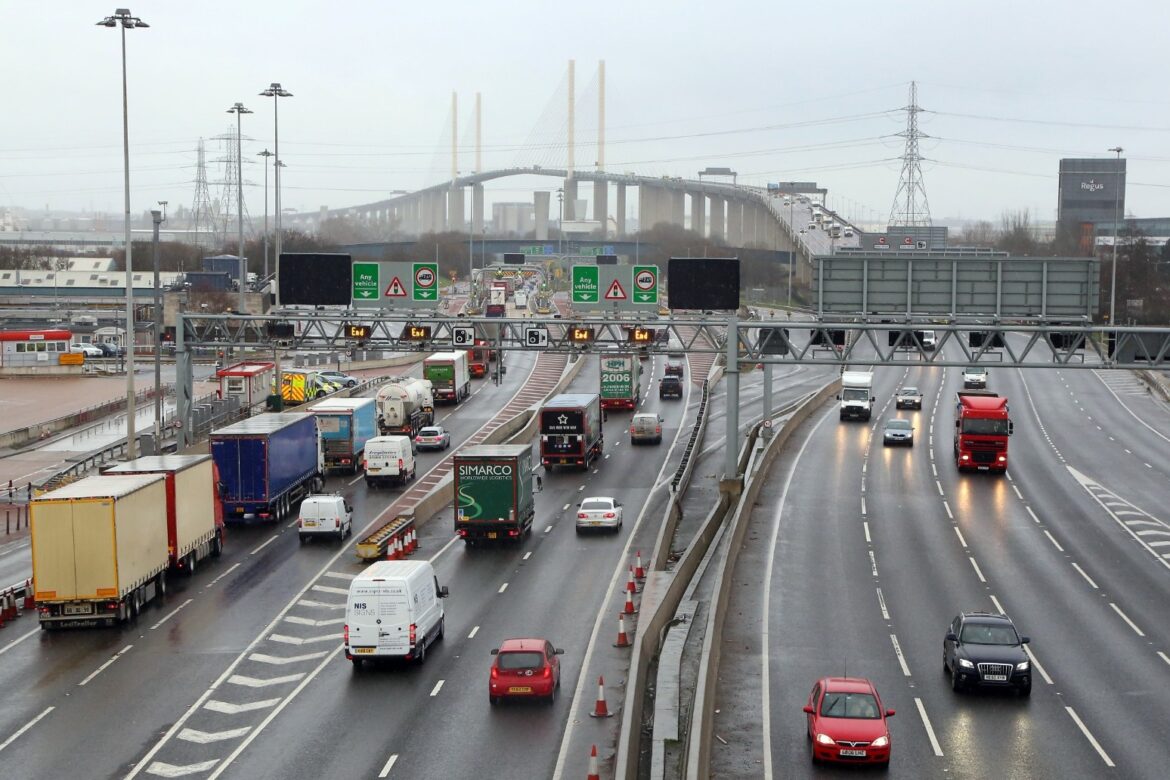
951 637
1025 640
808 708
558 651
872 398
838 396
495 651
889 713
1011 427
443 592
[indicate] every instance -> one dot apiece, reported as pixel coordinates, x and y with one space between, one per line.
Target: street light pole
123 19
1116 219
238 109
275 91
265 154
561 221
792 256
157 218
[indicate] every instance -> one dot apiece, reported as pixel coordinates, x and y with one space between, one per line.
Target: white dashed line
1092 740
1036 665
1088 579
565 507
873 563
16 735
1125 617
548 530
939 486
1164 657
271 539
863 505
977 571
959 534
527 555
233 567
882 604
1019 495
947 507
998 606
1053 540
865 525
1035 519
438 687
172 613
929 729
898 653
503 588
389 764
106 665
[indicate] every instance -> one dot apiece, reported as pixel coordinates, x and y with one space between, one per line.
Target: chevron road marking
292 659
256 682
227 708
300 621
163 769
296 640
207 737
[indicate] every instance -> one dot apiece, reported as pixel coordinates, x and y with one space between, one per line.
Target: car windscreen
596 506
854 394
909 391
980 427
849 705
521 660
981 634
429 432
898 425
973 371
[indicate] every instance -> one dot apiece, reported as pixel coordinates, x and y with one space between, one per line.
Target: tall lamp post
1116 219
123 19
265 154
561 221
157 218
238 109
276 92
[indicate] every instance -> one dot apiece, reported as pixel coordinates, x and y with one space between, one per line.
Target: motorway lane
550 585
261 568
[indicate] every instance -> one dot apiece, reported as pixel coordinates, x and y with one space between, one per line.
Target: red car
525 669
847 723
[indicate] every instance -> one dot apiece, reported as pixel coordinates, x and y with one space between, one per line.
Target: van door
379 619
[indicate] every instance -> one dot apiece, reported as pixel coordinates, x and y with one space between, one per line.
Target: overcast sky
775 90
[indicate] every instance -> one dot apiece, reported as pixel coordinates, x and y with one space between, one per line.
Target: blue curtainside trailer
267 464
346 424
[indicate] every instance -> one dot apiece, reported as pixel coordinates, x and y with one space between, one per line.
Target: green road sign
585 288
645 287
365 281
426 281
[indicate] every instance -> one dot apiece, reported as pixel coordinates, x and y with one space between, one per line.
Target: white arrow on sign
643 297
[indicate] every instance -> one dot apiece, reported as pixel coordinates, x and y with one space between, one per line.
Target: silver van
646 427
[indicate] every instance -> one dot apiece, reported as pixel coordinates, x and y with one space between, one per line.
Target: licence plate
995 677
78 609
519 689
491 534
850 753
363 651
309 523
594 522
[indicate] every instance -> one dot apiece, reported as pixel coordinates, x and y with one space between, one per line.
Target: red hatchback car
525 668
846 722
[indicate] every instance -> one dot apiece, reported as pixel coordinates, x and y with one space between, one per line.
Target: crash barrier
36 432
393 541
699 734
15 524
14 600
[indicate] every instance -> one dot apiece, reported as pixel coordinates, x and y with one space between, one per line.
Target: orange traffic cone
631 586
600 710
639 572
622 640
629 608
593 772
409 541
392 550
30 601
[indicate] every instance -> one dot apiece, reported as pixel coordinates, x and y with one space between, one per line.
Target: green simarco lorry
493 493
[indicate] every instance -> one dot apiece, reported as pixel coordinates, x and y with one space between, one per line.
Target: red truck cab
982 428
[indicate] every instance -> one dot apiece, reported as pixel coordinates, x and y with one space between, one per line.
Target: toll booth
250 381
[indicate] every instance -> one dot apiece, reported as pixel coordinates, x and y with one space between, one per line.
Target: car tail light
658 429
631 429
400 463
581 515
610 515
513 532
364 463
495 672
546 672
413 633
111 606
345 634
337 522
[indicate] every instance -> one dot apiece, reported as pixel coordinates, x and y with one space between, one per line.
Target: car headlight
963 662
825 739
881 741
1022 666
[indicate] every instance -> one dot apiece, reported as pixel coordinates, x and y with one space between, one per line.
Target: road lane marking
873 563
474 631
548 529
207 737
527 555
882 604
947 507
1088 579
168 616
939 486
1036 665
389 765
104 666
1052 539
17 734
901 658
959 534
285 660
257 682
234 566
1125 617
977 571
929 729
503 588
998 606
438 687
1019 495
1035 519
863 505
865 525
227 708
565 507
356 480
18 640
271 539
1164 657
1089 736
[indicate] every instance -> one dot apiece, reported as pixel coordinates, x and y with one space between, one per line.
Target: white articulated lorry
856 395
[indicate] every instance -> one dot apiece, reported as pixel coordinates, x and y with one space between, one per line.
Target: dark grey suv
982 649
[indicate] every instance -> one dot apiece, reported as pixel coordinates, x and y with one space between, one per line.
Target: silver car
908 398
898 431
599 512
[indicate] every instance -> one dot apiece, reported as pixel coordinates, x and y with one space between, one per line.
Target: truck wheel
420 657
357 664
191 564
160 587
217 544
442 628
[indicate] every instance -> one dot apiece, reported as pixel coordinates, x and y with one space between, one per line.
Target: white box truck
448 375
393 611
856 395
99 549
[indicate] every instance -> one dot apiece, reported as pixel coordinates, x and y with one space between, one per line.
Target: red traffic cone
622 640
600 710
639 572
392 550
629 608
631 586
593 772
29 597
409 541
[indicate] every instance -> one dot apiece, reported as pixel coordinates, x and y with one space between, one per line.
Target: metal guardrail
693 441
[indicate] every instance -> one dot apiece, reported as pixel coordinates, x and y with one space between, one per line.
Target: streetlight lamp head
275 90
122 16
1117 149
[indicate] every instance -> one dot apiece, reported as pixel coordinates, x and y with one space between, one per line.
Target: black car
675 367
983 649
670 387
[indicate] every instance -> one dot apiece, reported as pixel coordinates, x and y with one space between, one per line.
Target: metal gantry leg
731 456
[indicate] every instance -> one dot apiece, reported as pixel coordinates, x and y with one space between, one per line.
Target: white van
393 611
389 459
929 340
325 515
